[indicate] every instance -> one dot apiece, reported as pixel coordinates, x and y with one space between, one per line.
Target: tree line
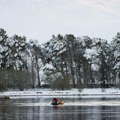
63 62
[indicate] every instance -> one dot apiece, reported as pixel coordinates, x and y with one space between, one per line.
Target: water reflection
10 110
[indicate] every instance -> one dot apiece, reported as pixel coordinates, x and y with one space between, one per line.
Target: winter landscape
82 72
59 60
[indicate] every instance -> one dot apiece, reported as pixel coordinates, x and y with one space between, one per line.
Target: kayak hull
59 103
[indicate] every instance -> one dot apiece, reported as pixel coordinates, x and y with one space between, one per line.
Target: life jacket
55 100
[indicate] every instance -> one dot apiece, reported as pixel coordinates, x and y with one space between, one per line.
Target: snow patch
111 92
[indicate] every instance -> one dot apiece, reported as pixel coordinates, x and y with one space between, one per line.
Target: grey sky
39 19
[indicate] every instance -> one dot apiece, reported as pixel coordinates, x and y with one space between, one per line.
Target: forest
63 62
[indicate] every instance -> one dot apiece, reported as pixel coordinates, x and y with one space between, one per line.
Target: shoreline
111 92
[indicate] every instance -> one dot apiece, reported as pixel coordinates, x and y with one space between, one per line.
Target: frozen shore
111 92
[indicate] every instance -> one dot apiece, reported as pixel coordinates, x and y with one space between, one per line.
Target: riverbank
111 92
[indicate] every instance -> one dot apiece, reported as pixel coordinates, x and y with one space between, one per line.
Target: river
75 108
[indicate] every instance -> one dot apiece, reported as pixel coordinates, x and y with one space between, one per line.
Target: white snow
89 53
48 66
111 92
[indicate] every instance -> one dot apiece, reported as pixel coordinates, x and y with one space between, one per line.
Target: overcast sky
39 19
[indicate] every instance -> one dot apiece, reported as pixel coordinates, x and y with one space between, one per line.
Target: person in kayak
55 100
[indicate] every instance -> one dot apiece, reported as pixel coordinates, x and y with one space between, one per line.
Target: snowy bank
112 92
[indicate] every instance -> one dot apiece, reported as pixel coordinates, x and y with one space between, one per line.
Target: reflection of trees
4 108
9 111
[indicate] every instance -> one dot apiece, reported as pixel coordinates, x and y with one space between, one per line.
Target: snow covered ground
111 92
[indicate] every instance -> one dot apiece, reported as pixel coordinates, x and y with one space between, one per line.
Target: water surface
39 108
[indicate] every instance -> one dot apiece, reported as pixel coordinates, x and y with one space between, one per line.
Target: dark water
40 109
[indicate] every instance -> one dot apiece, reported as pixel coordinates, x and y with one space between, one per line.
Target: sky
40 19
